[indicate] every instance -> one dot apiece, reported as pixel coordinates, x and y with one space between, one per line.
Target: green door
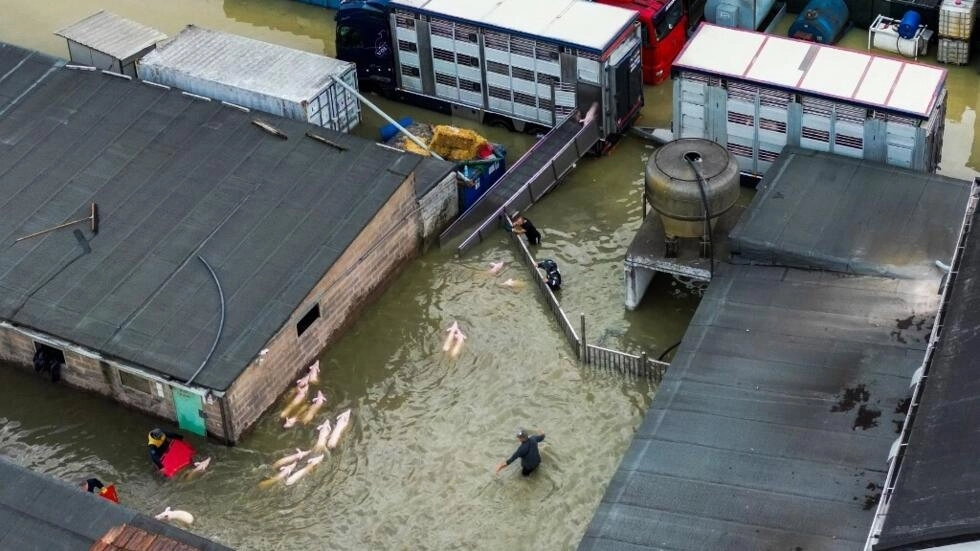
190 411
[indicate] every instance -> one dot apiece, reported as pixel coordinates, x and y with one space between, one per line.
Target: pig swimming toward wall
176 514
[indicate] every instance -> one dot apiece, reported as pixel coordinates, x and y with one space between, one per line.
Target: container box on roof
254 74
107 41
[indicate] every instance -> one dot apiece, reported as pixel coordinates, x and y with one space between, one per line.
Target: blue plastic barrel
910 24
389 130
821 21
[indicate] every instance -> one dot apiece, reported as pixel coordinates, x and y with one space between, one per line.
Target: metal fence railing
589 354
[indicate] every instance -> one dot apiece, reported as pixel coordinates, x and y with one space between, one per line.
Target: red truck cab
664 29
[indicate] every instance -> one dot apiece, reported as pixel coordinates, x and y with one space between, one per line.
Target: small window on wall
306 321
135 382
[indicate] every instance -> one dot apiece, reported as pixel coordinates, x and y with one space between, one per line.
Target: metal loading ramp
533 175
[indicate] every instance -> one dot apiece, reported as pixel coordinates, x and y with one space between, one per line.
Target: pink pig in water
451 336
176 514
298 398
318 402
283 473
324 434
291 458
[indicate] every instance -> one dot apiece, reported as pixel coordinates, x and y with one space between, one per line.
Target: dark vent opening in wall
48 360
308 319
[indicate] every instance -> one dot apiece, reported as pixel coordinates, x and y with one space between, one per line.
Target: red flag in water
109 492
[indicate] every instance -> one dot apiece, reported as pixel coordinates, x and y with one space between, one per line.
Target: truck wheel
535 129
500 122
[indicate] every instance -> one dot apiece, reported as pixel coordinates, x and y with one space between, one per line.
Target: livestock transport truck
512 63
767 92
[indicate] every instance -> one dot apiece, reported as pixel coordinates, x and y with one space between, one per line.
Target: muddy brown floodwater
414 471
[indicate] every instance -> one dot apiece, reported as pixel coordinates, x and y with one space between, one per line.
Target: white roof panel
720 51
578 24
912 91
526 17
587 25
877 82
834 71
780 64
455 8
246 63
111 34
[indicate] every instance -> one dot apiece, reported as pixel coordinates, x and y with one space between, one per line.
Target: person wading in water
527 452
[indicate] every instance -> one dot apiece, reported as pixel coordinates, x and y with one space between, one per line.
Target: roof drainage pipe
221 322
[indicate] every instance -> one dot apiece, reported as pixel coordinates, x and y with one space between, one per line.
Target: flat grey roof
20 71
773 424
246 63
44 514
112 34
174 178
821 211
938 486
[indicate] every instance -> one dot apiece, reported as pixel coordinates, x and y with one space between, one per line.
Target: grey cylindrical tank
672 186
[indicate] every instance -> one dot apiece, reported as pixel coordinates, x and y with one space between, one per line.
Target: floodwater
414 471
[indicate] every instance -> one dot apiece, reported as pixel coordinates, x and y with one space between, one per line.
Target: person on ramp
527 452
523 225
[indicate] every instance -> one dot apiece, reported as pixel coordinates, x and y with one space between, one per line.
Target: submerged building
185 257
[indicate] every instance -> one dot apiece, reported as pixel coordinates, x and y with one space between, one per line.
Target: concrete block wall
373 260
439 207
16 347
89 372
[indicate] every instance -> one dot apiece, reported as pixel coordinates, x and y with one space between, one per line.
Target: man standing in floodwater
527 451
523 225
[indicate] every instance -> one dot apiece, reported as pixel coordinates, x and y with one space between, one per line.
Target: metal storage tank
822 21
673 190
250 73
738 14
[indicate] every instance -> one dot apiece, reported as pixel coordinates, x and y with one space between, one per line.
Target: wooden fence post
585 347
643 365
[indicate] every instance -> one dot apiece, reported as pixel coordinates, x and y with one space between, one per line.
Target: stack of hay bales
456 144
449 142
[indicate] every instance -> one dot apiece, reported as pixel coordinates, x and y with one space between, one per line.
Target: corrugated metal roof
111 34
873 81
246 63
588 25
772 427
174 177
42 513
